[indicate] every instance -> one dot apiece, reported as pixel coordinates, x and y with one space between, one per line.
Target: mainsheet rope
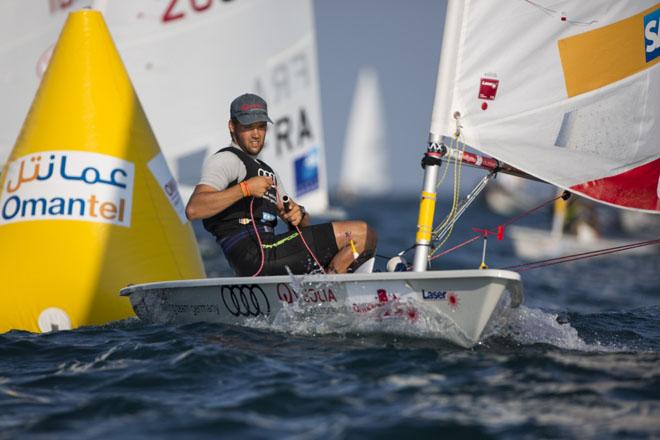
575 257
486 232
261 248
457 187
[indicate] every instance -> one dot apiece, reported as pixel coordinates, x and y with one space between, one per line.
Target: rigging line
309 250
503 225
466 242
448 164
581 256
444 173
454 209
530 211
398 254
450 215
256 231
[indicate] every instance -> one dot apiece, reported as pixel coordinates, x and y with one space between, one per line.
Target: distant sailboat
509 195
575 229
364 162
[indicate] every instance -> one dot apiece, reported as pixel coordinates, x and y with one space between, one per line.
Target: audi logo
245 300
263 172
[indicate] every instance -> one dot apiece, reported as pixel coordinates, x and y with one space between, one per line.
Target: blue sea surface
580 359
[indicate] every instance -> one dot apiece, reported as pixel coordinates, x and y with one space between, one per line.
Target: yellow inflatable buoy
87 202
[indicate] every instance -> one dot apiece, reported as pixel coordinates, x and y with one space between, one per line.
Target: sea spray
528 326
314 307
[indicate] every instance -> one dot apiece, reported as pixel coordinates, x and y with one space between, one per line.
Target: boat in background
576 229
364 169
639 224
557 106
186 66
509 195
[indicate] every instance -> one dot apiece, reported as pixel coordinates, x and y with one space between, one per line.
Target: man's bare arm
207 201
294 215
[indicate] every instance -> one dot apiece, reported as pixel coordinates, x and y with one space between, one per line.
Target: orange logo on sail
594 59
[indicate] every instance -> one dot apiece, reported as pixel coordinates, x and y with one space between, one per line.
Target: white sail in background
188 60
28 32
364 159
566 91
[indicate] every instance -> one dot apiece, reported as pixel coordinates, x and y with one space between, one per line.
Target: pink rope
303 239
309 250
256 231
261 248
455 247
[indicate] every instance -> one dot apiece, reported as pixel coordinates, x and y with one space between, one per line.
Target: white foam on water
407 317
527 325
533 326
32 398
100 363
404 317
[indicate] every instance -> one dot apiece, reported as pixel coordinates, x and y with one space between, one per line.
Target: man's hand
258 185
294 216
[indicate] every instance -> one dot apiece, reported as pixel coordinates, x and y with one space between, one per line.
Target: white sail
188 60
566 91
364 159
28 31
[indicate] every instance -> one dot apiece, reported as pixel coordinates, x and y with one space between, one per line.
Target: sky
401 40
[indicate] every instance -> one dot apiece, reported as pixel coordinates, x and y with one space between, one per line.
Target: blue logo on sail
652 35
307 172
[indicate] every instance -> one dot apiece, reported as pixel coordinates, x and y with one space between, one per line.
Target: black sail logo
245 300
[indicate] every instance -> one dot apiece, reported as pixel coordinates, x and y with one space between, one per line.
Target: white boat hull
466 301
537 244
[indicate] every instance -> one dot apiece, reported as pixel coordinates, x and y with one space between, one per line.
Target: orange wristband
245 189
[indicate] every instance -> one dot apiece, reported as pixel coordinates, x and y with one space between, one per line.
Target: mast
443 98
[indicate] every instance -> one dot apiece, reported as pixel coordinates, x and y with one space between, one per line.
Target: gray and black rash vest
226 223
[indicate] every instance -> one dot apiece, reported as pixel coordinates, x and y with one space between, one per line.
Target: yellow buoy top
87 201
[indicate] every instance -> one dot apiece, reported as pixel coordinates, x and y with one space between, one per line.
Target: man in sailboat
239 198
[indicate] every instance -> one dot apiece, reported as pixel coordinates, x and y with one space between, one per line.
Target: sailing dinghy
582 236
573 103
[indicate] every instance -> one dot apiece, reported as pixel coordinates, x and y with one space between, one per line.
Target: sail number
59 5
176 9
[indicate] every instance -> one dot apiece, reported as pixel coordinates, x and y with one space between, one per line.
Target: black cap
248 109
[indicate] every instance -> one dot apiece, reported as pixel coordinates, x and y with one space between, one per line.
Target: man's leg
364 238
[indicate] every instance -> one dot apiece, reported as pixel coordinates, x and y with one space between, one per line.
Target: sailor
239 198
581 220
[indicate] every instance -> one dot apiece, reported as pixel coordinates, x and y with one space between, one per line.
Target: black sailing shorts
281 250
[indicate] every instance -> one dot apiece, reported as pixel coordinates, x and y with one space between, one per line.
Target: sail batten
565 91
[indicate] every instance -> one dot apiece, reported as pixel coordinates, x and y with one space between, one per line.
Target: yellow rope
454 208
447 218
444 172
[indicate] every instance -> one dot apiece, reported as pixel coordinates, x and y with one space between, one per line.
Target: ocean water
580 359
